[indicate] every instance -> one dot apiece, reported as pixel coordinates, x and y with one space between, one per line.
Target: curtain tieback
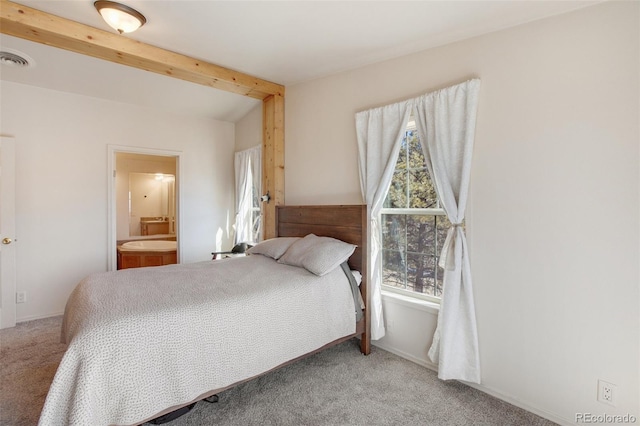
447 257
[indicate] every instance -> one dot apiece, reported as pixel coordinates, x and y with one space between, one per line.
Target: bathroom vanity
154 226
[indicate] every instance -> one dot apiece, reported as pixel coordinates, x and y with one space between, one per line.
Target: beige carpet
29 356
336 387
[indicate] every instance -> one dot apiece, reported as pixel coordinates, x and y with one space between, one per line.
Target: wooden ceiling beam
34 25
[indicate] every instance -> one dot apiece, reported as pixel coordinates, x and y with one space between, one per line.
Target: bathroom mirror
152 200
145 196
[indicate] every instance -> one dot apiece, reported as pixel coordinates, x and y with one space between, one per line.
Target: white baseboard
542 413
37 317
422 362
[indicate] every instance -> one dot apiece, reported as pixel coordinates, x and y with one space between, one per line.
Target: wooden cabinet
139 259
154 228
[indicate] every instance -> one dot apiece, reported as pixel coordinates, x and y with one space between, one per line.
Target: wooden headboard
344 222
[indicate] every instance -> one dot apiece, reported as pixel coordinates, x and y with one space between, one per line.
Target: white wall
61 184
554 205
249 129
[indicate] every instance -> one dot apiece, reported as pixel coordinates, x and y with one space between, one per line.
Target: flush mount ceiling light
120 17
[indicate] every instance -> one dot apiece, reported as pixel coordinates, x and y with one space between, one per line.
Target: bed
145 342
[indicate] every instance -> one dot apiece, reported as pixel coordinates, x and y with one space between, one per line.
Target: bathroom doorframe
112 258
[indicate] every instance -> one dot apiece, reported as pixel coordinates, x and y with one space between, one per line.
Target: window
256 214
414 226
248 183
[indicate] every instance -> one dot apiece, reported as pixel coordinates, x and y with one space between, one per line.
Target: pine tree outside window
414 226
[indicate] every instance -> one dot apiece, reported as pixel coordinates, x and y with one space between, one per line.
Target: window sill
412 302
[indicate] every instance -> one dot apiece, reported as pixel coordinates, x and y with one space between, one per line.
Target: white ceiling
286 42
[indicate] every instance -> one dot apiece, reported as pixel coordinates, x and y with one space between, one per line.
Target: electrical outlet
606 392
21 297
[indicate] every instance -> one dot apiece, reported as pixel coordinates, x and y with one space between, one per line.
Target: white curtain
379 133
446 122
248 170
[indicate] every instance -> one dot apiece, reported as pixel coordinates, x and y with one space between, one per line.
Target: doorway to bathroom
144 200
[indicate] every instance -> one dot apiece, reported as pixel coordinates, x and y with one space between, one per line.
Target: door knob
7 241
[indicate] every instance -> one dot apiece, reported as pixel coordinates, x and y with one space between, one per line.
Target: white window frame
421 212
438 211
255 194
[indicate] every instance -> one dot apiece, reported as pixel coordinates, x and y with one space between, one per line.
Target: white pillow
318 255
274 247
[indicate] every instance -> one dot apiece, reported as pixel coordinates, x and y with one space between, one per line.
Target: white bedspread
143 340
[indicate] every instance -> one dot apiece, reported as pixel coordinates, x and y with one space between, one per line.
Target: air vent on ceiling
15 59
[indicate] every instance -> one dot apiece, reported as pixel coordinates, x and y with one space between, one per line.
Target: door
7 233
